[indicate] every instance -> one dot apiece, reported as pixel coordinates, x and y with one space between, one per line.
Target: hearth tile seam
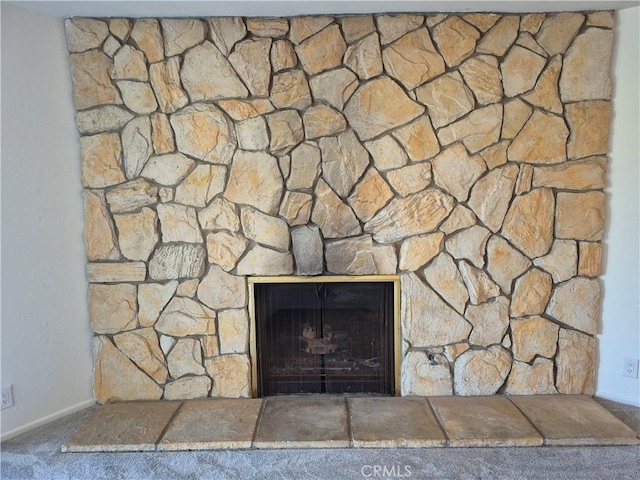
545 440
348 421
263 405
440 422
167 426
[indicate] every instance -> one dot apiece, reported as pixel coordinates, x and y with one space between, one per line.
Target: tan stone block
587 174
181 34
481 372
483 76
418 139
137 233
120 27
534 336
415 252
146 33
456 172
162 134
469 243
344 161
410 179
483 21
183 317
322 51
102 119
461 217
142 347
201 185
557 31
185 358
447 98
335 218
129 64
220 214
561 261
283 55
590 263
261 260
456 40
188 288
290 90
532 22
387 153
542 140
500 37
546 94
491 195
307 250
601 19
520 70
364 58
233 331
531 294
112 308
304 27
136 145
225 249
490 321
443 276
286 131
91 82
504 263
478 130
589 124
210 346
225 32
101 160
422 377
479 285
533 379
392 27
413 59
99 234
526 40
112 272
230 374
321 121
219 289
370 195
529 222
356 27
264 229
576 363
165 80
516 115
296 208
85 33
179 223
268 27
454 351
305 166
152 298
334 87
252 134
168 169
178 260
241 110
580 215
577 303
188 388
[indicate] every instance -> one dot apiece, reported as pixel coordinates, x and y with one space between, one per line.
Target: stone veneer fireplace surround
464 152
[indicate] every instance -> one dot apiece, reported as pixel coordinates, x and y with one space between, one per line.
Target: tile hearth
358 422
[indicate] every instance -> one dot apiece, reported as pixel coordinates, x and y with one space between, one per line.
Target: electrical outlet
7 396
629 369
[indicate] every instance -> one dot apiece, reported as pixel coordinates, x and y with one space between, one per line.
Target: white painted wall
46 338
621 310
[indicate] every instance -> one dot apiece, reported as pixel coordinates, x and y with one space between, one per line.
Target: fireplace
324 335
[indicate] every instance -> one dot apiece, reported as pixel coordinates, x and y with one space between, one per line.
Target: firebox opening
324 335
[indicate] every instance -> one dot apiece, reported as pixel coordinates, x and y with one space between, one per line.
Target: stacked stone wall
465 152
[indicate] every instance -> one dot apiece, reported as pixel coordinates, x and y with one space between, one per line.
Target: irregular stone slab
162 134
481 372
169 169
575 363
419 303
132 195
152 298
456 172
356 27
364 58
296 208
286 131
490 321
415 252
322 51
461 217
334 87
225 249
226 32
251 61
344 160
283 55
387 153
491 195
233 330
447 98
322 120
170 262
504 262
142 347
535 379
268 27
589 57
240 110
179 223
188 288
419 139
392 27
370 195
112 308
137 145
187 388
129 64
221 214
181 34
477 130
529 222
219 289
210 346
601 19
561 261
410 179
255 179
443 276
102 119
546 94
385 259
542 140
577 303
483 21
520 70
534 336
352 256
413 59
304 27
305 166
185 358
469 243
119 27
422 377
500 37
260 260
456 40
116 378
590 264
580 215
479 285
201 185
165 80
91 82
85 33
589 124
527 41
483 76
231 376
452 352
307 248
398 220
200 84
116 272
204 132
264 229
532 22
587 174
101 157
183 317
516 115
379 106
531 293
146 34
557 31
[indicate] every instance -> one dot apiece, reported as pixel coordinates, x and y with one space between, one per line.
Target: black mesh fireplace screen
334 338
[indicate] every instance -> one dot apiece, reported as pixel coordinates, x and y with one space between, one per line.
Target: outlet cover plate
6 394
630 367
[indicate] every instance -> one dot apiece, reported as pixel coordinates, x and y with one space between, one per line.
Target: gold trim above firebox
397 333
